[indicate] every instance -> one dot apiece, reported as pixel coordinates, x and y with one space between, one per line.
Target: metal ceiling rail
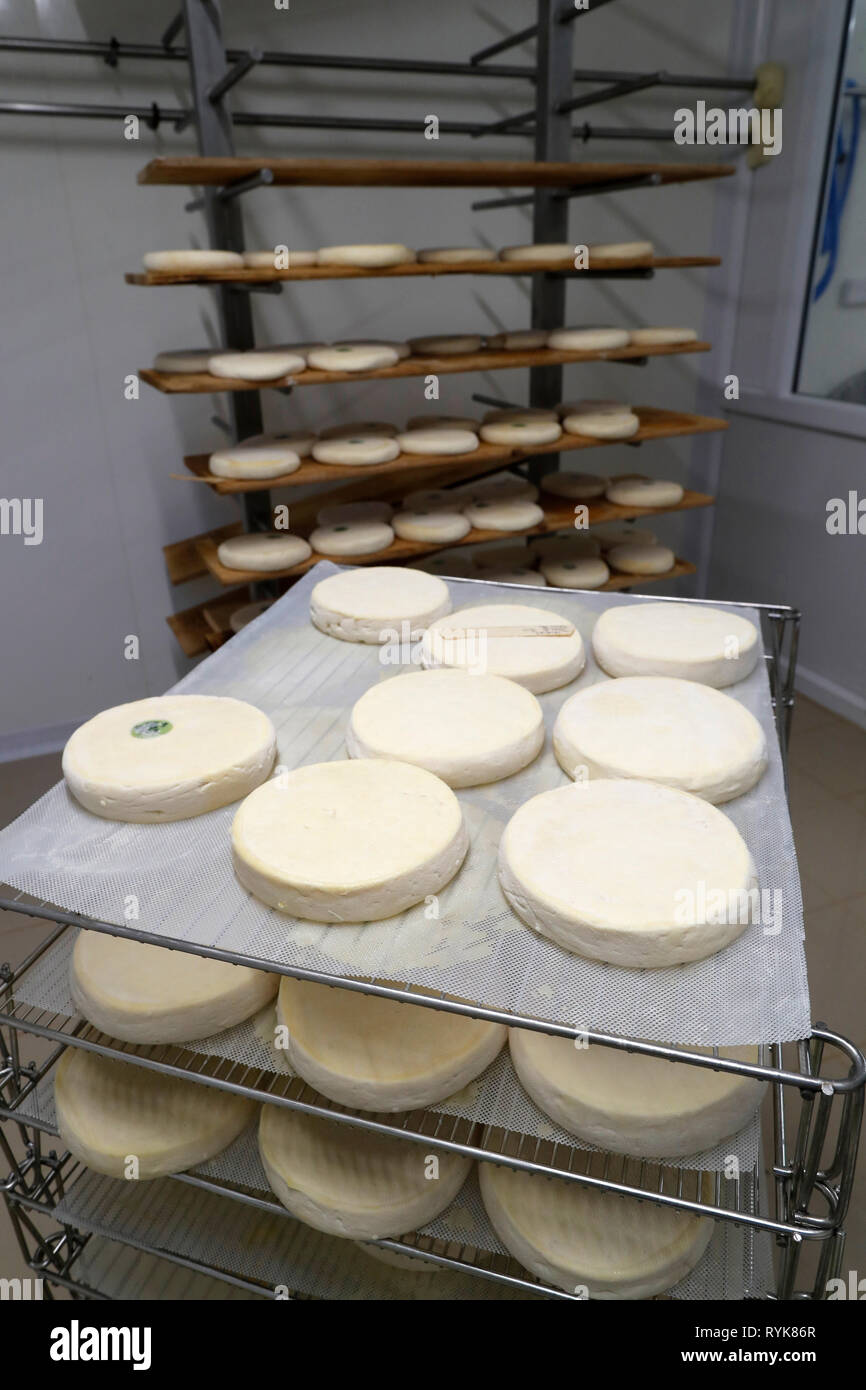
113 50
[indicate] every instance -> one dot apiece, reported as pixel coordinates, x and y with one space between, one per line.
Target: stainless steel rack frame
816 1116
815 1142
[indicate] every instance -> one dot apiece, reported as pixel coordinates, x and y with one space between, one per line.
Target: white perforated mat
179 876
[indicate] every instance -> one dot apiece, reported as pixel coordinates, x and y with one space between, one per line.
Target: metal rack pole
550 215
208 73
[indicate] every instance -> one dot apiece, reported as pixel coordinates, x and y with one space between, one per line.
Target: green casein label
151 728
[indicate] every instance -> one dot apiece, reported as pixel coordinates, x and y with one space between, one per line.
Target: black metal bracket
234 74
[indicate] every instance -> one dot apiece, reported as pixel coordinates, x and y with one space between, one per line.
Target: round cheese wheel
539 251
524 340
522 413
524 653
611 533
254 461
468 729
372 256
439 499
378 427
183 360
575 1237
630 1103
168 757
192 260
445 345
266 260
523 433
350 841
438 440
662 730
428 524
580 572
263 551
371 1053
350 357
578 866
352 538
496 556
338 512
255 365
602 424
570 545
354 1182
690 641
455 255
587 339
620 250
110 1113
357 450
148 994
652 337
504 487
247 612
581 487
644 492
402 349
511 514
442 422
641 559
371 605
456 567
300 441
517 575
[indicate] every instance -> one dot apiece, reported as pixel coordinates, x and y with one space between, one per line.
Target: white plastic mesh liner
494 1098
181 878
273 1249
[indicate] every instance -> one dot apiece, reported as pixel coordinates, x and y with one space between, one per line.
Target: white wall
74 220
786 455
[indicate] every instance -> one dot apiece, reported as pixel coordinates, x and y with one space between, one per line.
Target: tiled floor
828 807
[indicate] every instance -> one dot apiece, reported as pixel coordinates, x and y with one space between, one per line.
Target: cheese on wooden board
630 1103
659 729
168 757
371 1053
143 993
576 1237
467 729
350 841
689 641
354 1182
579 866
111 1112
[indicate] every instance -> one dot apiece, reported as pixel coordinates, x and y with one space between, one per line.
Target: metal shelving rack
817 1117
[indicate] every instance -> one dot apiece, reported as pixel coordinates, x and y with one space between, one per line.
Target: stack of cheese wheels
632 1103
663 730
689 641
131 1122
378 605
372 1053
142 993
532 646
354 1182
575 1238
168 757
349 841
578 866
467 729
